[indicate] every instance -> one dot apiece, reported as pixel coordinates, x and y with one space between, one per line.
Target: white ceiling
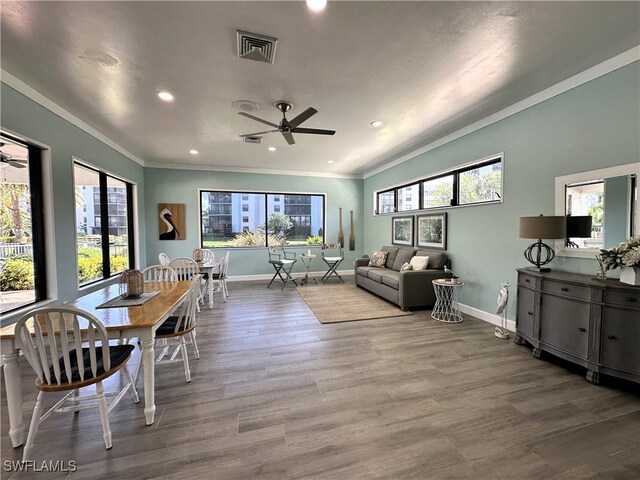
425 69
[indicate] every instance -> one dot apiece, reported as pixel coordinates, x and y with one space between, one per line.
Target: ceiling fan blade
16 164
244 114
258 133
302 117
315 131
288 137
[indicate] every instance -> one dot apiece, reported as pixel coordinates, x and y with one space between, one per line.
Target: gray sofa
407 289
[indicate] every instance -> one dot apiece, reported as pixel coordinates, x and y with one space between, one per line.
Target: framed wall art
171 221
402 231
431 231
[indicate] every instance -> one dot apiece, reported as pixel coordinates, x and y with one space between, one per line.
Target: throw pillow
419 262
406 266
378 259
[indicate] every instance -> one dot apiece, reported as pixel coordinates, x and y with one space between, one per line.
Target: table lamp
540 227
577 227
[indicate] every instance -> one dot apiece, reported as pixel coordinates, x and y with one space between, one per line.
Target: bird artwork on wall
171 224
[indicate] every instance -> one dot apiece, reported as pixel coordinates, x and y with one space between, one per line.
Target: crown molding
21 87
604 68
264 171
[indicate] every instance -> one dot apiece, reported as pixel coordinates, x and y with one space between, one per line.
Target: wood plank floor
277 395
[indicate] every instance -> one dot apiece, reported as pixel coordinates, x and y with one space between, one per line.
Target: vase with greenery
625 256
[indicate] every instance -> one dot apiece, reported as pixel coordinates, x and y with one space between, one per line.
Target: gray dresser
590 322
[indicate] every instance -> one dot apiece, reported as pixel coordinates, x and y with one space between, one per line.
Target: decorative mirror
610 197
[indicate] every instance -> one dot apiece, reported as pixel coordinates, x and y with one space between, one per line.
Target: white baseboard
487 317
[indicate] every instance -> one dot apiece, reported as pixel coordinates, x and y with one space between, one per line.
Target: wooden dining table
139 322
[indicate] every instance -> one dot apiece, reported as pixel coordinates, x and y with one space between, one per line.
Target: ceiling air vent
256 47
252 140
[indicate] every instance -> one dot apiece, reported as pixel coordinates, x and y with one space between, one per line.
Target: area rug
346 303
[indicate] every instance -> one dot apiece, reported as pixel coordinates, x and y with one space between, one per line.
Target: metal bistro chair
68 349
282 261
333 256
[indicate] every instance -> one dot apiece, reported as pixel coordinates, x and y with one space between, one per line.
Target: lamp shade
542 227
579 226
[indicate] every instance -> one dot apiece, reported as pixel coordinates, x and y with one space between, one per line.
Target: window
104 239
480 184
467 185
22 247
387 202
437 192
409 198
227 221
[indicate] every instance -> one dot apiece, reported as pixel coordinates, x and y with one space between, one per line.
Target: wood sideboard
593 323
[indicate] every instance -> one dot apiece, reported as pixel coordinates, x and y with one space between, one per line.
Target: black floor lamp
540 227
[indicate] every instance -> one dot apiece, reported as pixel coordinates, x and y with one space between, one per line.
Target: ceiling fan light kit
288 127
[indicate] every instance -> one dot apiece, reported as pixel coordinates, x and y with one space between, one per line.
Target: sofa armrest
361 262
415 287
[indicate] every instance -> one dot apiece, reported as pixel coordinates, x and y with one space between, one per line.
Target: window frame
455 173
104 222
38 214
277 194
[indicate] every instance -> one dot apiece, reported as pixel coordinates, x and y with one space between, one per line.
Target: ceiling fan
7 159
288 127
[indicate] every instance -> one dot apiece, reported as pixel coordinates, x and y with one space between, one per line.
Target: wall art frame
431 231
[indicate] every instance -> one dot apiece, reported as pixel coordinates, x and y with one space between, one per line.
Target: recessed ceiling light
329 161
376 124
316 5
165 96
272 149
193 151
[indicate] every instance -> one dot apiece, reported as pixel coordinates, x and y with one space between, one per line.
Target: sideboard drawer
567 289
619 297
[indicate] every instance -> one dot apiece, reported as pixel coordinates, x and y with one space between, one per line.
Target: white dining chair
177 327
69 349
159 273
163 258
221 277
186 268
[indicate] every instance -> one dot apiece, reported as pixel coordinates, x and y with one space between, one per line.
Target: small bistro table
307 258
446 308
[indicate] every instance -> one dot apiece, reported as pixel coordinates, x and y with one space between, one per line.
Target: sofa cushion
378 259
419 262
376 274
391 278
437 260
364 271
404 255
391 255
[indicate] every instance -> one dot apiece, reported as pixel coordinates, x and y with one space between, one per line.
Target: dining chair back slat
160 273
185 267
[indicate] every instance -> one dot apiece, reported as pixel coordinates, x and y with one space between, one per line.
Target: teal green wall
181 186
616 211
30 119
593 126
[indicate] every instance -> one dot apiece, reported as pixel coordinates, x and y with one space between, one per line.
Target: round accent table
446 308
307 259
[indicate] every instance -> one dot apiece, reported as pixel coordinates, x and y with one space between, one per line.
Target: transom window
472 184
231 219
